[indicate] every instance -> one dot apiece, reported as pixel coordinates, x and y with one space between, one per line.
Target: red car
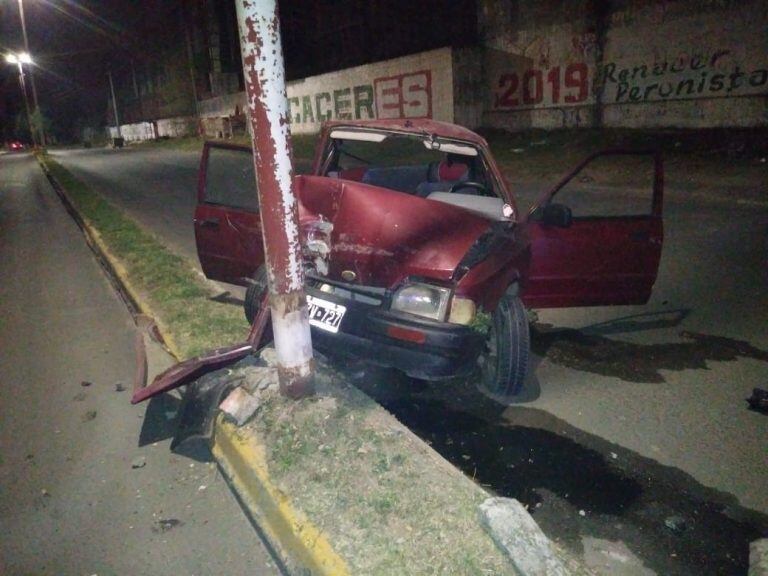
416 255
15 146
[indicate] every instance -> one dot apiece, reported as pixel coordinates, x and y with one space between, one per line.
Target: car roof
415 126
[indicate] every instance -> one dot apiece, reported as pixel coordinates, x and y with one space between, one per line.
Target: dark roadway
71 501
635 417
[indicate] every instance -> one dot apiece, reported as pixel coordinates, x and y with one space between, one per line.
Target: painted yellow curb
118 269
122 276
243 460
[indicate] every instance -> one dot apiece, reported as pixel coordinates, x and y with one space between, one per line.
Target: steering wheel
477 188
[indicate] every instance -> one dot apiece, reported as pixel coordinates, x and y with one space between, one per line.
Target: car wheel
254 294
504 361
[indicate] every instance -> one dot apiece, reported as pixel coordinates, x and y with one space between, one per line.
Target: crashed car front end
393 328
395 276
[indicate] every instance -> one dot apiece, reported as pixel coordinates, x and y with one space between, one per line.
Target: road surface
88 483
634 418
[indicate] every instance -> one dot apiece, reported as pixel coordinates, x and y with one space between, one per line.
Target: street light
19 59
31 72
22 58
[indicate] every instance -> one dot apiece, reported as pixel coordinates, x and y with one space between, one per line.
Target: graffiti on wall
688 75
400 96
702 74
543 87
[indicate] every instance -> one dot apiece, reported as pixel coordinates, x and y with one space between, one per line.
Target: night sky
73 43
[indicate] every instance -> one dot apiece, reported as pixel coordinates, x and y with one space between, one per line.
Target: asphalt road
88 484
633 416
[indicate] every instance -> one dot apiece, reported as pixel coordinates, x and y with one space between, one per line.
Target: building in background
510 64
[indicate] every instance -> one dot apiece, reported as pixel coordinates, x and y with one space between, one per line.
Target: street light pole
114 103
192 77
19 60
268 106
31 75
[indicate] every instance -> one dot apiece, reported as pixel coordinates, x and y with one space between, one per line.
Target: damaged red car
416 254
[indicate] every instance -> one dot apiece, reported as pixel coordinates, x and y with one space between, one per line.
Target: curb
299 543
114 267
758 558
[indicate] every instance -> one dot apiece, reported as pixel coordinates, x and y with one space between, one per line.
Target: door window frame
658 184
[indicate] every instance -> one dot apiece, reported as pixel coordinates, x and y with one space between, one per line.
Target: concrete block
758 558
239 405
516 533
260 378
269 356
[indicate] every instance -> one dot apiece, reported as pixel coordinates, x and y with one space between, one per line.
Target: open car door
227 222
595 237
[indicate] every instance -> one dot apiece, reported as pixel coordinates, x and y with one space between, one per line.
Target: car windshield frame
435 142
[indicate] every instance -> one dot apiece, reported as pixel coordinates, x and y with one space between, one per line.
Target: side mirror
558 215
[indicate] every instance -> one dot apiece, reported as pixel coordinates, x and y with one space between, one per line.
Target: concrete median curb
339 486
114 266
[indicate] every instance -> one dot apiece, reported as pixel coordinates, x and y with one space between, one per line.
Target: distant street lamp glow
21 58
18 60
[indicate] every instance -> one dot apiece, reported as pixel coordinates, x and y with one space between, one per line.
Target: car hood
379 235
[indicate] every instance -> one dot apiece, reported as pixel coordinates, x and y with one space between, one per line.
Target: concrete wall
133 132
625 63
164 128
468 87
176 127
548 64
416 86
221 106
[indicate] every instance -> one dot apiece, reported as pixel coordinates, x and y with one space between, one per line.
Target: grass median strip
179 298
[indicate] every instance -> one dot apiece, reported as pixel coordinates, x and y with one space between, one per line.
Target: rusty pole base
293 384
293 344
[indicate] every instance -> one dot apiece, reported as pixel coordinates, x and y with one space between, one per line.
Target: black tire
254 294
504 362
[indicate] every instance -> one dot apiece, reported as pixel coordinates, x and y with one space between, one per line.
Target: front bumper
445 351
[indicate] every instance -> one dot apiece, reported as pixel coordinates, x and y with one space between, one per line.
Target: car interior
410 166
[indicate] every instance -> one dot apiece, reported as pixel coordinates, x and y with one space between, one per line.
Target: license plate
325 315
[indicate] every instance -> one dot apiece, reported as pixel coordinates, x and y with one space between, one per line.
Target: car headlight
424 300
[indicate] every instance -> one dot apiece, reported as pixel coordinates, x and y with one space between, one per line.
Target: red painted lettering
577 76
532 87
404 96
507 98
554 80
